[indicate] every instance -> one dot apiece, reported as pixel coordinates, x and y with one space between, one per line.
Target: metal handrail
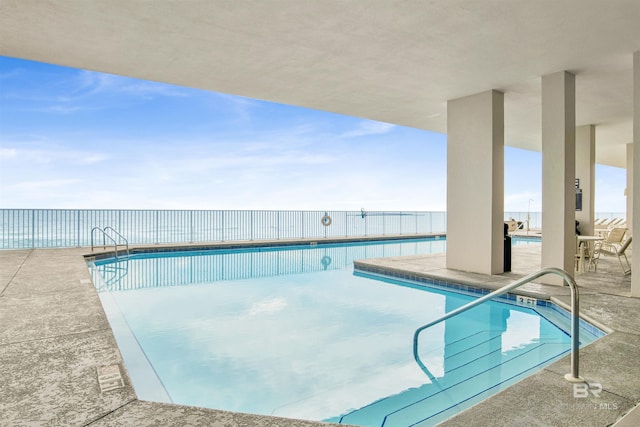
104 244
106 235
575 319
126 242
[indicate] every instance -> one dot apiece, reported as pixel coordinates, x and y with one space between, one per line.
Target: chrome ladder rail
106 235
573 376
126 242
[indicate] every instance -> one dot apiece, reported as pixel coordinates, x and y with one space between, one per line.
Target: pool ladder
106 236
573 376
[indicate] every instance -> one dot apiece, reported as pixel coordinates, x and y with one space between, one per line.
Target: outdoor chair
613 239
619 252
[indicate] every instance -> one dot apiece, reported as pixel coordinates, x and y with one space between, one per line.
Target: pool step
473 365
381 408
425 410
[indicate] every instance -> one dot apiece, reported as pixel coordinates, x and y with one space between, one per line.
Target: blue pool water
293 332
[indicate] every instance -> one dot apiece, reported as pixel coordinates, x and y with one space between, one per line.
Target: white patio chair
614 251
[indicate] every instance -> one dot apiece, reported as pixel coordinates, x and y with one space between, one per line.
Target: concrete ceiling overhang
392 61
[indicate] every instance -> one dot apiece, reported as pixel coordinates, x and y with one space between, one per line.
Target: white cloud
61 155
90 91
43 185
368 127
89 159
150 89
7 153
270 305
11 74
91 83
235 100
62 109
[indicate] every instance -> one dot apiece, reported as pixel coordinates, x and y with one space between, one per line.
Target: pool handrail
573 376
106 235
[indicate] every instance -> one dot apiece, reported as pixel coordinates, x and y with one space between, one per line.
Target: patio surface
55 336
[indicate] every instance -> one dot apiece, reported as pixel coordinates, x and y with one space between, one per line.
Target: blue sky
73 138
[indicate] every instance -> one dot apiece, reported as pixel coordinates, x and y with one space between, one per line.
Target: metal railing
573 376
534 219
106 236
58 228
48 228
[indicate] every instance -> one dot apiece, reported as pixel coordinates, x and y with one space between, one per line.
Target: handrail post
105 236
574 376
126 242
92 230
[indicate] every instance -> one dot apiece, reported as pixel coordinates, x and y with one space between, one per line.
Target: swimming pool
293 332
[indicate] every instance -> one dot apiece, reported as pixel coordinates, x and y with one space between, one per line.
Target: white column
585 172
475 183
629 189
558 173
635 220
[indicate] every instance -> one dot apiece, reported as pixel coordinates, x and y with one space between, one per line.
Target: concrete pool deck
55 336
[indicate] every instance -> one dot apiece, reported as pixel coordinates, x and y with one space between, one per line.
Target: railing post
33 228
366 224
78 228
191 226
223 225
384 223
325 228
346 223
157 225
574 376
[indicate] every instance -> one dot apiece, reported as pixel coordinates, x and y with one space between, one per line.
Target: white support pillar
558 173
629 189
475 183
585 173
635 221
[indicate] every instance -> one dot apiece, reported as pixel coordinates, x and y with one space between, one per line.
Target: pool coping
82 340
472 289
247 244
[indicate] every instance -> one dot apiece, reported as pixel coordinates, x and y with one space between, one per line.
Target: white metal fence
535 218
56 228
48 228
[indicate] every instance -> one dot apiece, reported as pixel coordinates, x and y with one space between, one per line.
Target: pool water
293 332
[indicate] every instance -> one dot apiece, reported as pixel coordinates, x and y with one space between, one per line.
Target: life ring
326 220
325 261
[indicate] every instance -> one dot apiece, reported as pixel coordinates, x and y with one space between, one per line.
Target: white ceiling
393 61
